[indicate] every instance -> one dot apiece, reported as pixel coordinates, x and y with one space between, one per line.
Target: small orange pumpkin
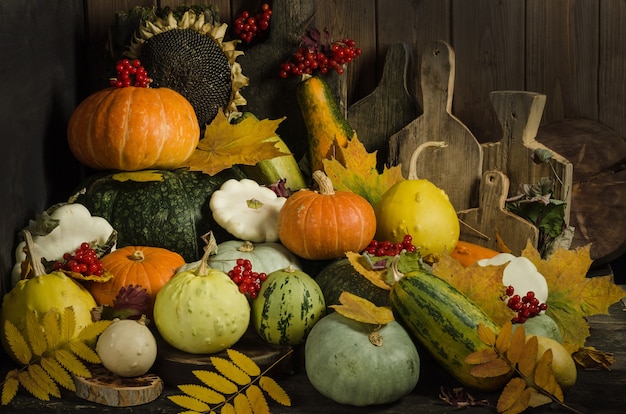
150 267
133 128
326 224
469 253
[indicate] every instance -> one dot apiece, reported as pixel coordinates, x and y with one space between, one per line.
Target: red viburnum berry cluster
130 73
248 26
319 54
249 282
387 248
84 260
526 306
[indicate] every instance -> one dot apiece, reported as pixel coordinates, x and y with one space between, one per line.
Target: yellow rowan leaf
543 370
189 403
528 357
377 277
93 330
230 371
17 343
58 373
354 169
40 376
490 369
242 405
275 391
225 144
84 351
362 310
514 397
589 357
481 356
244 362
34 334
486 334
32 386
503 341
10 387
143 176
537 399
573 295
518 340
67 359
482 284
202 393
228 409
51 328
68 323
216 381
257 400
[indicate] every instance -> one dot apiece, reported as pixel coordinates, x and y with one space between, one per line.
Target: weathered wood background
571 51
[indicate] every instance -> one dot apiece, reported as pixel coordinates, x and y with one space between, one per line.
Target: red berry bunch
387 248
130 73
249 282
248 26
317 54
84 260
526 306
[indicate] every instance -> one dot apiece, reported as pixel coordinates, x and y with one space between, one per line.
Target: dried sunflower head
188 55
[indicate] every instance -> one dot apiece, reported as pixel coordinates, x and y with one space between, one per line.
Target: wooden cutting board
389 108
456 168
481 225
520 114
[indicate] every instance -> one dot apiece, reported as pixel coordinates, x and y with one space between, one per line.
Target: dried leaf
459 397
362 310
518 340
202 393
230 370
481 356
589 357
10 387
354 169
216 381
17 343
274 390
528 358
242 405
190 403
360 264
138 176
224 144
244 362
511 395
486 334
257 400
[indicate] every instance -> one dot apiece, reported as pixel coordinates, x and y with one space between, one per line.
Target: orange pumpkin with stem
150 267
325 224
469 253
133 128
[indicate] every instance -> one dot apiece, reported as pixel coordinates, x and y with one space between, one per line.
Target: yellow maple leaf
572 295
225 144
481 284
354 169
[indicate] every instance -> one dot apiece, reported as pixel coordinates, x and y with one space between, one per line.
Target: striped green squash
159 208
287 307
444 321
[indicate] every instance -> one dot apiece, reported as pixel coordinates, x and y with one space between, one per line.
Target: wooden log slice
598 210
106 388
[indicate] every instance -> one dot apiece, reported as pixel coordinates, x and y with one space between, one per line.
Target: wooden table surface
596 391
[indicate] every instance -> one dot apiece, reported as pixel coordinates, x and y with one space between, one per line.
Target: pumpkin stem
209 249
35 261
246 247
375 337
416 154
137 256
324 183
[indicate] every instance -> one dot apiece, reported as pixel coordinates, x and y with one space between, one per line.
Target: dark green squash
340 275
172 213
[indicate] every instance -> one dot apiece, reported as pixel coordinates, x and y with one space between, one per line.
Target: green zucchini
444 322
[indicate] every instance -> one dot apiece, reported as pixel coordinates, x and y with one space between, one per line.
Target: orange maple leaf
225 144
482 284
572 295
354 169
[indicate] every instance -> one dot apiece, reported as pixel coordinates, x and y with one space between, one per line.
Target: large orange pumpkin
325 224
150 267
133 128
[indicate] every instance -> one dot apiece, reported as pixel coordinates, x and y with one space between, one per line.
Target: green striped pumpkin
287 307
159 208
444 321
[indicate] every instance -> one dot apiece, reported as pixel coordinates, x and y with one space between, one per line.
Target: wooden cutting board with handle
457 168
481 225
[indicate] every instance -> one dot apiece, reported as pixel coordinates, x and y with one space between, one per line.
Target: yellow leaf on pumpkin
225 144
362 310
377 277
